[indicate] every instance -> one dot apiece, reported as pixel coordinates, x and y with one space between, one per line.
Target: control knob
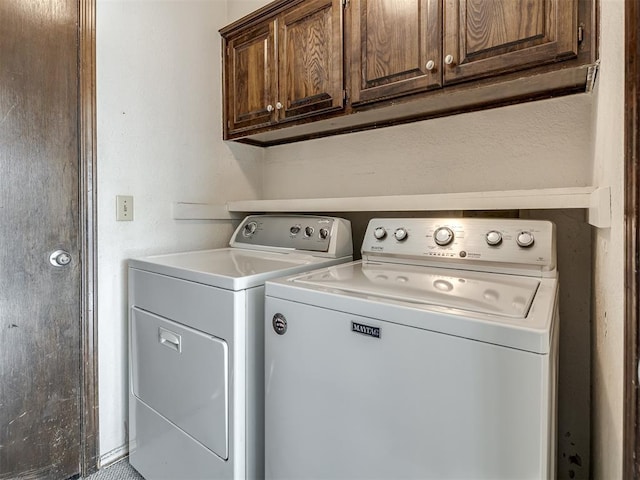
324 233
525 239
250 228
401 234
308 231
295 230
380 233
443 236
494 238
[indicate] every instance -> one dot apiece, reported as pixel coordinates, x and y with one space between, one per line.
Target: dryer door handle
170 339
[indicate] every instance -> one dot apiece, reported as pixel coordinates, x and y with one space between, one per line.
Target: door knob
60 258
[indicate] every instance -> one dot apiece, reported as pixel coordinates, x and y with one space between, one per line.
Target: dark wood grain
543 65
391 43
39 304
250 83
310 59
631 432
489 37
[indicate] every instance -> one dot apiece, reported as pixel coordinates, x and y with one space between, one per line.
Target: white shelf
596 199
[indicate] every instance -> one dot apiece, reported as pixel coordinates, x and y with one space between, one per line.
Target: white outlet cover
124 208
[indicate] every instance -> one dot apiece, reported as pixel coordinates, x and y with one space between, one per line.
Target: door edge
89 420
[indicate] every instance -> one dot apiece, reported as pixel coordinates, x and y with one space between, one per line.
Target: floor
117 471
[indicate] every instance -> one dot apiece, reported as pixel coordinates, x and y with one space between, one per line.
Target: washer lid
231 268
488 293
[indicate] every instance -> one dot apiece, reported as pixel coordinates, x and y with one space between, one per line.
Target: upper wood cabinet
250 83
485 37
298 69
395 48
286 67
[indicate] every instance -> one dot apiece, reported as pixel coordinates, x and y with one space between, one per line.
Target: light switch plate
124 208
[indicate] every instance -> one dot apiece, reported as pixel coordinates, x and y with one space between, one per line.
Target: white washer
196 406
435 357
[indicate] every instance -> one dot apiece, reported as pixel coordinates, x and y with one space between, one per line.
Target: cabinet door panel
250 78
486 37
310 59
392 42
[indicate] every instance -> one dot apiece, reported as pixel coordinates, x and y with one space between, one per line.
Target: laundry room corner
159 141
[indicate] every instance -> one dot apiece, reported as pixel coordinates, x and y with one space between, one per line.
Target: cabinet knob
448 59
278 106
269 108
430 65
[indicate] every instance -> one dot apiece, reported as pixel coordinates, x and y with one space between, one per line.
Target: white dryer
435 357
196 349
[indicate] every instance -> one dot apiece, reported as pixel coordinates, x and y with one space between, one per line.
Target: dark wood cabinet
250 83
310 59
299 69
284 68
485 37
395 48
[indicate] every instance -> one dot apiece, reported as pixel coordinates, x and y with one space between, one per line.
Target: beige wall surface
608 307
160 140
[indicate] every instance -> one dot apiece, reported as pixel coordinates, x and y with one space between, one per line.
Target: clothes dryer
196 350
434 357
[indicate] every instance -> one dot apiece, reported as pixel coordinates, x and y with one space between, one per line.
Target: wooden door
395 48
250 83
40 340
310 40
486 37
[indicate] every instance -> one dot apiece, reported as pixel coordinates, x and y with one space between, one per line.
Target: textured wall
608 323
159 139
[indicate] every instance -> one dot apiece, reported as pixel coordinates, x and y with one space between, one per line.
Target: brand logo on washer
279 324
365 329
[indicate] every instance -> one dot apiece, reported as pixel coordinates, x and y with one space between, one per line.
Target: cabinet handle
448 59
430 65
269 108
278 106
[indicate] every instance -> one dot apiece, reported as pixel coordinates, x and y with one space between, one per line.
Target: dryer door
183 375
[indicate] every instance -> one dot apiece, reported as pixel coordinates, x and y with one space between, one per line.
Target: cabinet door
484 37
250 78
395 48
310 59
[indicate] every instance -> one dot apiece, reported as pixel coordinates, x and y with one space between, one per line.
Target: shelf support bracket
600 208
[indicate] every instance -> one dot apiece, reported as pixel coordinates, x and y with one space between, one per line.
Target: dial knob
308 231
295 230
494 238
443 236
380 233
525 239
250 228
401 234
324 233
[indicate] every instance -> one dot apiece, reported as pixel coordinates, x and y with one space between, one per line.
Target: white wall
608 328
159 139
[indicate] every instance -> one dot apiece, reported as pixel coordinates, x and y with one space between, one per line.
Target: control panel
507 243
309 233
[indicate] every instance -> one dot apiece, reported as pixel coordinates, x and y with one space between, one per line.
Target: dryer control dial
250 228
525 239
443 236
308 231
401 234
324 233
380 233
494 238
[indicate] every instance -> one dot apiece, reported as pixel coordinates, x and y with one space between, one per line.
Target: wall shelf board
597 200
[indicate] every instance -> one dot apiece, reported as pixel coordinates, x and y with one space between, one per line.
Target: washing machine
434 357
196 348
